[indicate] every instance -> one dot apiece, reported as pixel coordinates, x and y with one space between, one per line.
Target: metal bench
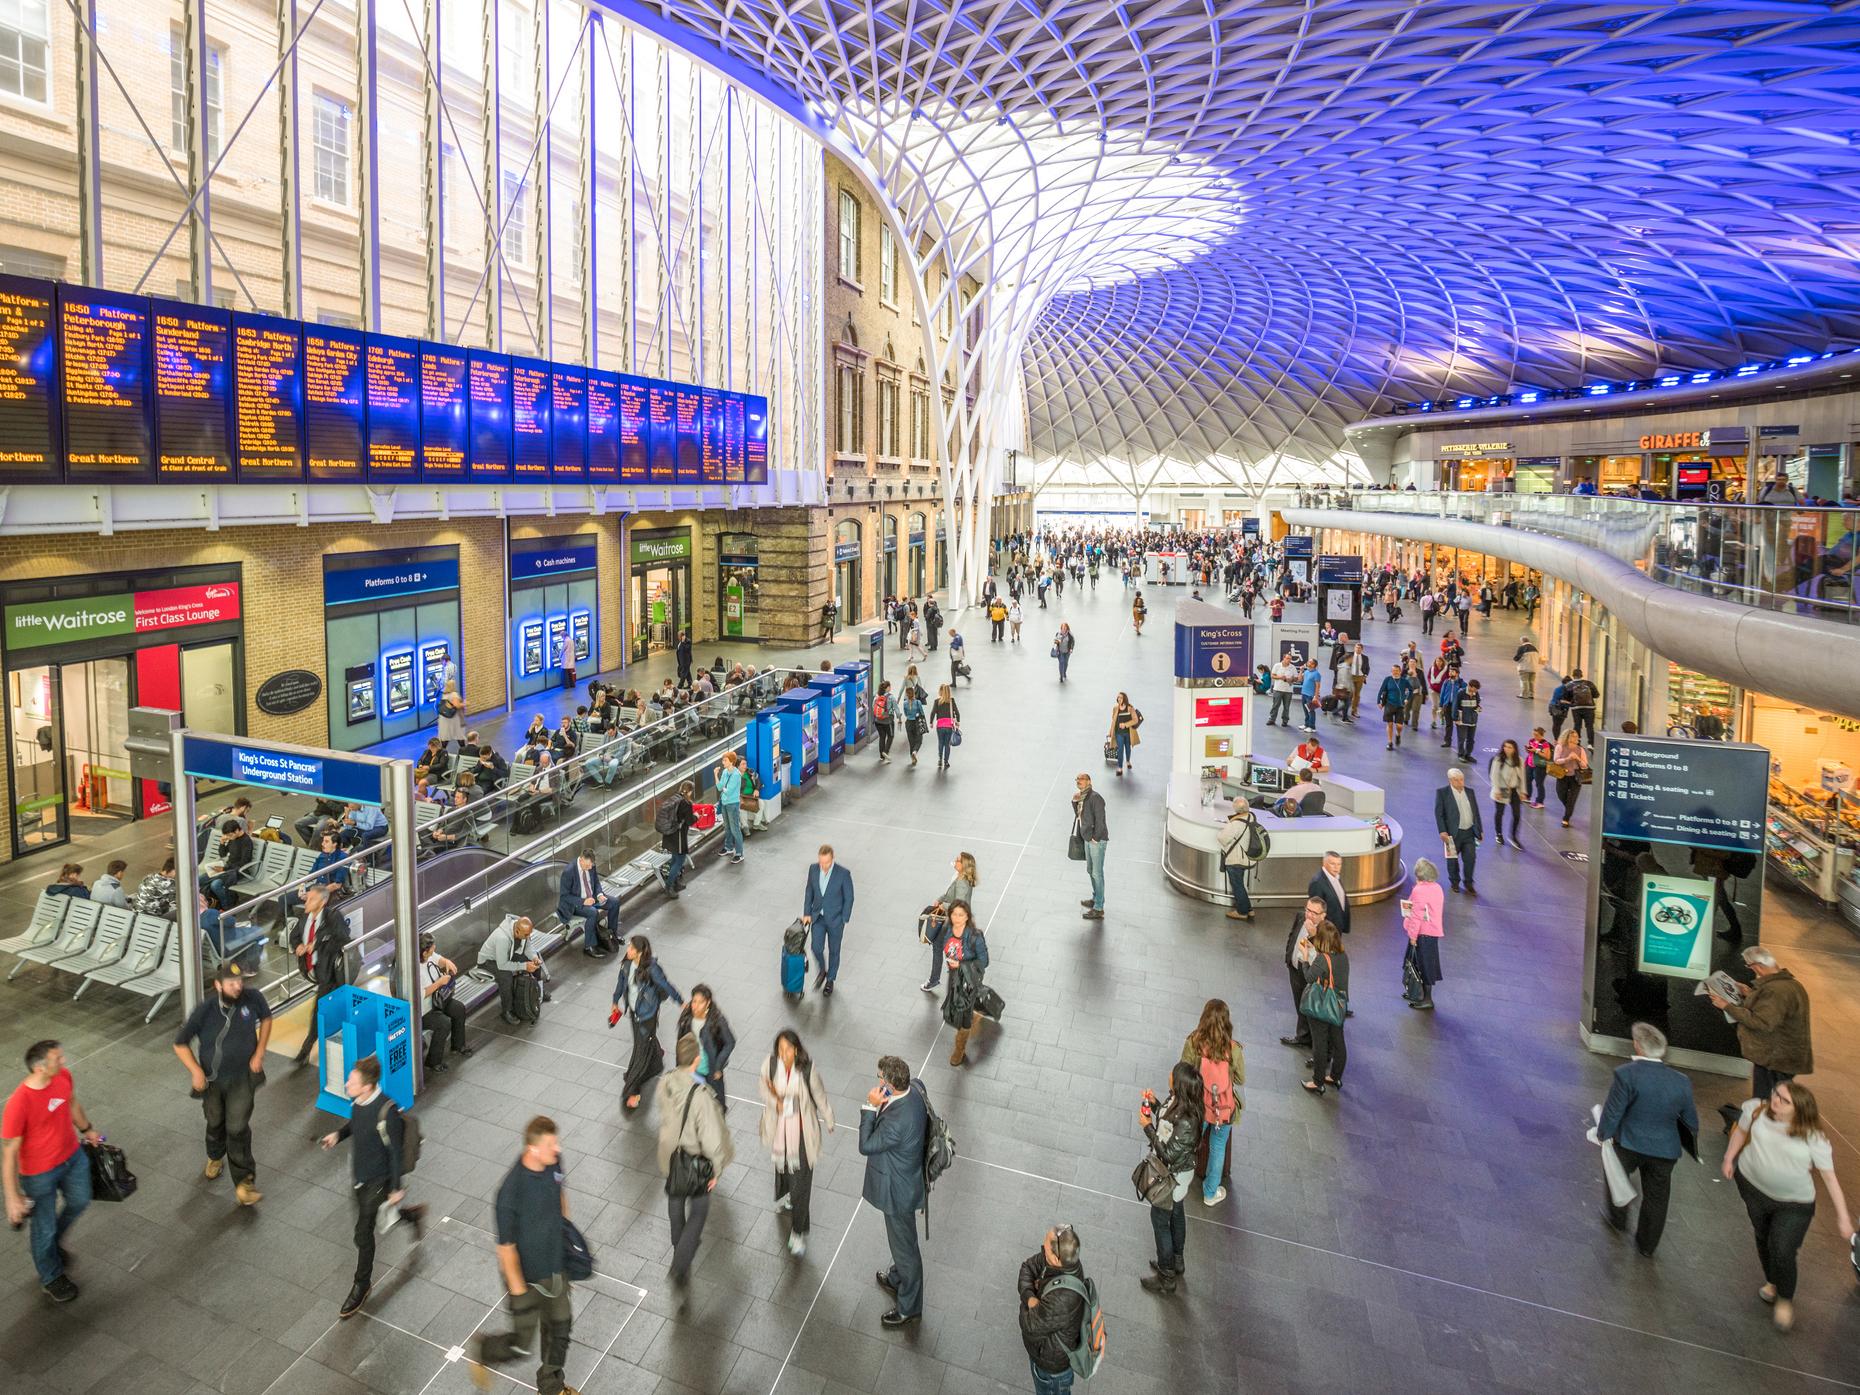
111 944
146 943
74 936
165 977
42 929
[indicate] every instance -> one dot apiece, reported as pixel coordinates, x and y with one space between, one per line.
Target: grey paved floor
1432 1229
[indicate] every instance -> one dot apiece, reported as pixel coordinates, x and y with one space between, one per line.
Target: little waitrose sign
100 617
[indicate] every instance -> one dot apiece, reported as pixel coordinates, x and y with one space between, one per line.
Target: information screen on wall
635 430
445 426
193 360
603 428
756 439
268 398
490 416
712 450
529 419
28 376
661 434
105 341
335 404
688 422
568 431
393 375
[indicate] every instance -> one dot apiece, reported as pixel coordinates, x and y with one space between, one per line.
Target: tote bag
1322 1000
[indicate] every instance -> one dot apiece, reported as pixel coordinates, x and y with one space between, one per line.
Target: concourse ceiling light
1210 237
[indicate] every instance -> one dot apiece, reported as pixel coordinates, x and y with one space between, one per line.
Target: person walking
795 1105
683 653
1776 1149
1507 779
1212 1050
1325 965
531 1216
443 1015
884 720
1528 661
936 930
915 646
1356 672
1461 829
1063 645
1392 698
997 618
1125 719
1138 613
1423 916
915 719
1015 618
1466 718
892 1125
1773 1025
1538 753
1089 825
580 895
690 1124
730 800
376 1162
43 1163
1172 1129
639 993
1650 1118
1568 763
1582 697
946 716
701 1018
222 1043
452 715
1053 1295
826 906
1243 845
673 823
965 955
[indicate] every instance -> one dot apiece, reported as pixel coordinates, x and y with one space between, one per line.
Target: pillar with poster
1675 893
1340 593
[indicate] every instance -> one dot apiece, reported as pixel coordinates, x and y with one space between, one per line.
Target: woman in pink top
1423 916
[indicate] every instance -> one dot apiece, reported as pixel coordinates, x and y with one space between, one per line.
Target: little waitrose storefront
79 653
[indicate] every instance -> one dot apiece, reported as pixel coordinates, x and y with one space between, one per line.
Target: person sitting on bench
508 955
581 897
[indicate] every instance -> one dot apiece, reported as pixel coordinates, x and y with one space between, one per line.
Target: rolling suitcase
793 972
1110 751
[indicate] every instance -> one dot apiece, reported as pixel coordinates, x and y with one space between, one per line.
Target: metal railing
1797 560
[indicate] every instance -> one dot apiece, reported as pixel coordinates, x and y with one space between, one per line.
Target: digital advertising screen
603 428
393 376
529 419
568 430
635 430
661 434
28 379
530 648
445 425
756 439
268 398
105 342
489 387
688 422
193 390
710 435
433 671
399 672
580 625
1220 712
558 641
335 404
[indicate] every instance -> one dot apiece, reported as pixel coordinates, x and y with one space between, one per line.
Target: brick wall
609 650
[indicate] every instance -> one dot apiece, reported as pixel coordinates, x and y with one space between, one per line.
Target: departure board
489 386
268 398
568 431
635 430
193 391
734 471
529 419
393 409
335 404
689 422
105 342
710 435
661 433
28 368
756 439
445 429
603 428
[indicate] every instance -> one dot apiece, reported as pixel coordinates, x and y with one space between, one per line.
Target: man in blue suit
1650 1116
826 904
580 894
1456 816
891 1138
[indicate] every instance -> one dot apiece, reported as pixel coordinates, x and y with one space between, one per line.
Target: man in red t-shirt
40 1158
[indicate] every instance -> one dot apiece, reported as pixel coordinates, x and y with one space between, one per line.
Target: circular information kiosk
1212 744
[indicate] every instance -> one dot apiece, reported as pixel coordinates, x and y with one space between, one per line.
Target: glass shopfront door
661 601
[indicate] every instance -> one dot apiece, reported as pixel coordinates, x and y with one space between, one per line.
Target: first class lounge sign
77 620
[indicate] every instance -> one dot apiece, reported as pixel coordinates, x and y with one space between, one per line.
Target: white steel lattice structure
1217 233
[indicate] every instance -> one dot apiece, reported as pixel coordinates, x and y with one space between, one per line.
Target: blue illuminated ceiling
1430 199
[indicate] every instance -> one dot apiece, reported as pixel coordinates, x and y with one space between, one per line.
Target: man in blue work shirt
222 1044
532 1260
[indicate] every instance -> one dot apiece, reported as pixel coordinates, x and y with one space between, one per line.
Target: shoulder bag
1322 1001
1153 1182
690 1174
1075 845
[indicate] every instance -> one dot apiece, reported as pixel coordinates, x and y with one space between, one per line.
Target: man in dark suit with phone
1303 927
891 1139
1457 817
826 905
580 895
1651 1119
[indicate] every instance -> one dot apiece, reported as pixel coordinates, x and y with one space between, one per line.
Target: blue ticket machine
840 692
861 674
764 751
351 1023
800 713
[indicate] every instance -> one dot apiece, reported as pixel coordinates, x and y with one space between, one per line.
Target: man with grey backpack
1061 1323
1244 845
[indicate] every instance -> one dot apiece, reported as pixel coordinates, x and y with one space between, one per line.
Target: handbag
1155 1184
1322 1000
577 1258
1557 770
750 804
1075 845
928 923
989 1003
110 1177
955 735
690 1174
1412 988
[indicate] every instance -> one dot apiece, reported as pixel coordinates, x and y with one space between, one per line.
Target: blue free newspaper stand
839 690
802 714
860 672
364 1024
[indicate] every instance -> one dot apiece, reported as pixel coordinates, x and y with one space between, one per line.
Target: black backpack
409 1136
939 1150
665 818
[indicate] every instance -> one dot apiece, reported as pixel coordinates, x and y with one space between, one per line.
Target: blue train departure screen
105 342
688 407
28 378
603 428
710 435
635 430
193 373
529 419
268 398
756 439
734 468
335 404
661 433
445 429
568 431
393 374
489 386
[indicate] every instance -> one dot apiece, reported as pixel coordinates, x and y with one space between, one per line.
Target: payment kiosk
840 691
763 749
860 672
802 715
